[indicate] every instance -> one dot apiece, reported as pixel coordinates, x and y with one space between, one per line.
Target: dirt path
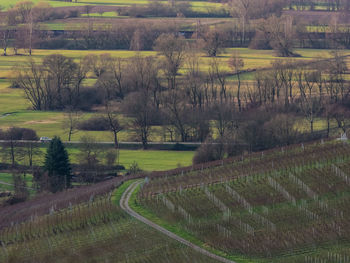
124 204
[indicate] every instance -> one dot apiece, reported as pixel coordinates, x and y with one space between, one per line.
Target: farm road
124 204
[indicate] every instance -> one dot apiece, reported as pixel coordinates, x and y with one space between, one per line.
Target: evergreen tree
57 166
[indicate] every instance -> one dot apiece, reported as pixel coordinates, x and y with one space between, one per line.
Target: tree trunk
12 153
70 134
239 93
312 126
115 139
328 126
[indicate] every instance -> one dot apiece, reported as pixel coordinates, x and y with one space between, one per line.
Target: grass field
7 178
147 160
51 123
196 5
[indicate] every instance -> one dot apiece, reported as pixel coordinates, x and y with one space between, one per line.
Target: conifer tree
57 166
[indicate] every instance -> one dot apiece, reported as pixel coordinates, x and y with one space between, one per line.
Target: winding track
124 204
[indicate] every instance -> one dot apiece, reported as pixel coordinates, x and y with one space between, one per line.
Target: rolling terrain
289 204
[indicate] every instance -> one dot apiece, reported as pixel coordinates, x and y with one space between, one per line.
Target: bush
260 41
134 168
89 97
209 151
111 157
16 133
98 123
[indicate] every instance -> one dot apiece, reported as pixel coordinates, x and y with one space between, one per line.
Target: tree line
257 24
172 91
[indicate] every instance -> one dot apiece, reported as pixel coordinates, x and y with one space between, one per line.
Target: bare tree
241 8
6 33
211 39
142 104
193 80
111 73
100 64
55 84
177 113
283 73
310 101
139 107
217 74
336 84
89 158
15 151
70 124
236 63
224 115
173 49
23 10
279 33
114 124
31 80
20 187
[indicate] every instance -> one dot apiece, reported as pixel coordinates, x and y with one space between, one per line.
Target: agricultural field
196 5
286 205
259 90
91 232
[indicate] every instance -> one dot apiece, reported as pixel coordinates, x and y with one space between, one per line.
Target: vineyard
95 231
289 204
286 205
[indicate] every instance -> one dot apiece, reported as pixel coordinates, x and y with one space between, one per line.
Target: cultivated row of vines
288 205
95 231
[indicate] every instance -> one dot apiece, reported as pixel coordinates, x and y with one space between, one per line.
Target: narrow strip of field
124 204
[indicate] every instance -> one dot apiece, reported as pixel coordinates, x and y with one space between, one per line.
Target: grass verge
118 192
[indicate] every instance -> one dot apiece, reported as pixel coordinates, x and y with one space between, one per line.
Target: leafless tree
211 40
279 32
336 85
6 33
72 118
172 48
193 80
143 103
218 75
310 101
241 8
54 84
114 124
236 63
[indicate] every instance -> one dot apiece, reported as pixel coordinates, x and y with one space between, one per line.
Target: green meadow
6 178
196 5
15 109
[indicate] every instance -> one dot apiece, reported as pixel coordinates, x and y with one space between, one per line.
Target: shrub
134 168
111 157
16 133
97 123
209 151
